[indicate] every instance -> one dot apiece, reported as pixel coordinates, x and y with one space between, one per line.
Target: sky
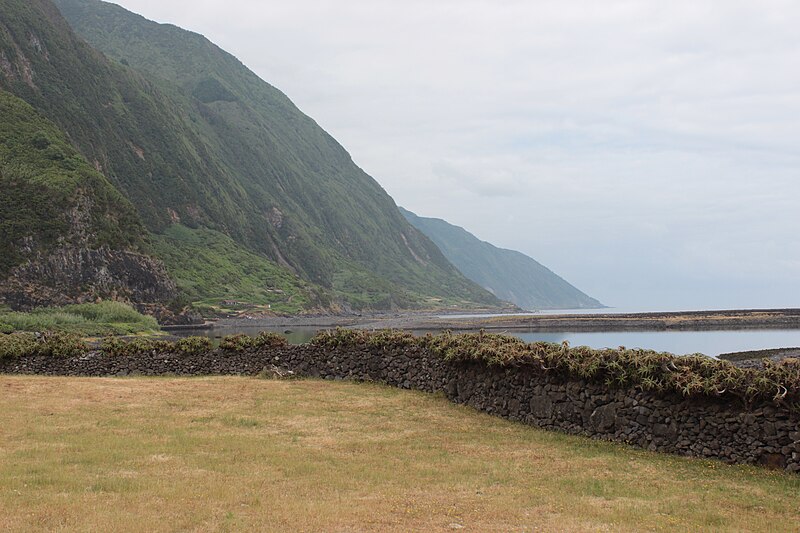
646 151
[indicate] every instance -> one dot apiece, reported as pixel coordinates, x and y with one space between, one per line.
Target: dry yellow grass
236 454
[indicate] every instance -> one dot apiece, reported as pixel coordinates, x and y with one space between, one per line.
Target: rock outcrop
75 275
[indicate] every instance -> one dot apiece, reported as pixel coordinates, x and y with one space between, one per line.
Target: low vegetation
62 344
95 319
622 367
265 339
239 454
51 344
116 347
187 346
220 277
648 370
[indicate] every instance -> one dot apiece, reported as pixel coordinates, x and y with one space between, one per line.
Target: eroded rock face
70 275
76 270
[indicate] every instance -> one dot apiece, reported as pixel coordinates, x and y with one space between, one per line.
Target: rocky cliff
67 235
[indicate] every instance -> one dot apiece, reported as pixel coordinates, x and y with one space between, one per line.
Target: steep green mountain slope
510 275
65 232
43 62
192 137
209 267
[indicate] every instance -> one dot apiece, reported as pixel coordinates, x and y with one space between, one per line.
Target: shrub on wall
647 370
240 343
53 344
193 345
352 337
117 347
694 375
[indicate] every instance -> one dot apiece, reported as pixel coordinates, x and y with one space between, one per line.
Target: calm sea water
710 343
603 311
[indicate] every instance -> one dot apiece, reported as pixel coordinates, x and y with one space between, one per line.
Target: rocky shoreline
755 358
663 321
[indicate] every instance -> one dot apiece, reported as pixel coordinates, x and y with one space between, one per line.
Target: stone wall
701 427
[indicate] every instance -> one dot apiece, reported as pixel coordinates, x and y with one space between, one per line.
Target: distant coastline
653 321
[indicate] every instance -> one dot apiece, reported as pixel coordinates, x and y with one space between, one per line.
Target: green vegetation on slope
124 124
209 267
191 136
97 319
509 275
50 194
123 454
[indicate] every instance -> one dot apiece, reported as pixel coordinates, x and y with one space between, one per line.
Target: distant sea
601 311
712 343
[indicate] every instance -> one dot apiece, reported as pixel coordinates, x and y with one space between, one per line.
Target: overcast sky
648 152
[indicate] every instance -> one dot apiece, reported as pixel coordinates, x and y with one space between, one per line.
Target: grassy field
238 454
94 319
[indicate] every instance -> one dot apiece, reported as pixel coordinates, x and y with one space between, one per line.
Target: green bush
54 344
268 339
102 318
236 343
60 344
40 140
113 346
189 345
240 343
120 348
108 311
193 345
17 345
351 337
694 375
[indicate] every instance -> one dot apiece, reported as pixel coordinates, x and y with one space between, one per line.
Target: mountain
219 165
509 275
67 233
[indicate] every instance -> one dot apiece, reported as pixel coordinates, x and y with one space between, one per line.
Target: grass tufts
660 372
51 344
92 319
241 342
648 370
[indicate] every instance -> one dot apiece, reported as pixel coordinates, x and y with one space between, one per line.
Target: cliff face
73 274
67 235
148 143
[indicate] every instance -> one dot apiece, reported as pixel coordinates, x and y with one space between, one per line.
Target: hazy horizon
645 152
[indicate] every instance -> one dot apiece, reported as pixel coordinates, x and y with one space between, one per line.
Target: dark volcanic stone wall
700 427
